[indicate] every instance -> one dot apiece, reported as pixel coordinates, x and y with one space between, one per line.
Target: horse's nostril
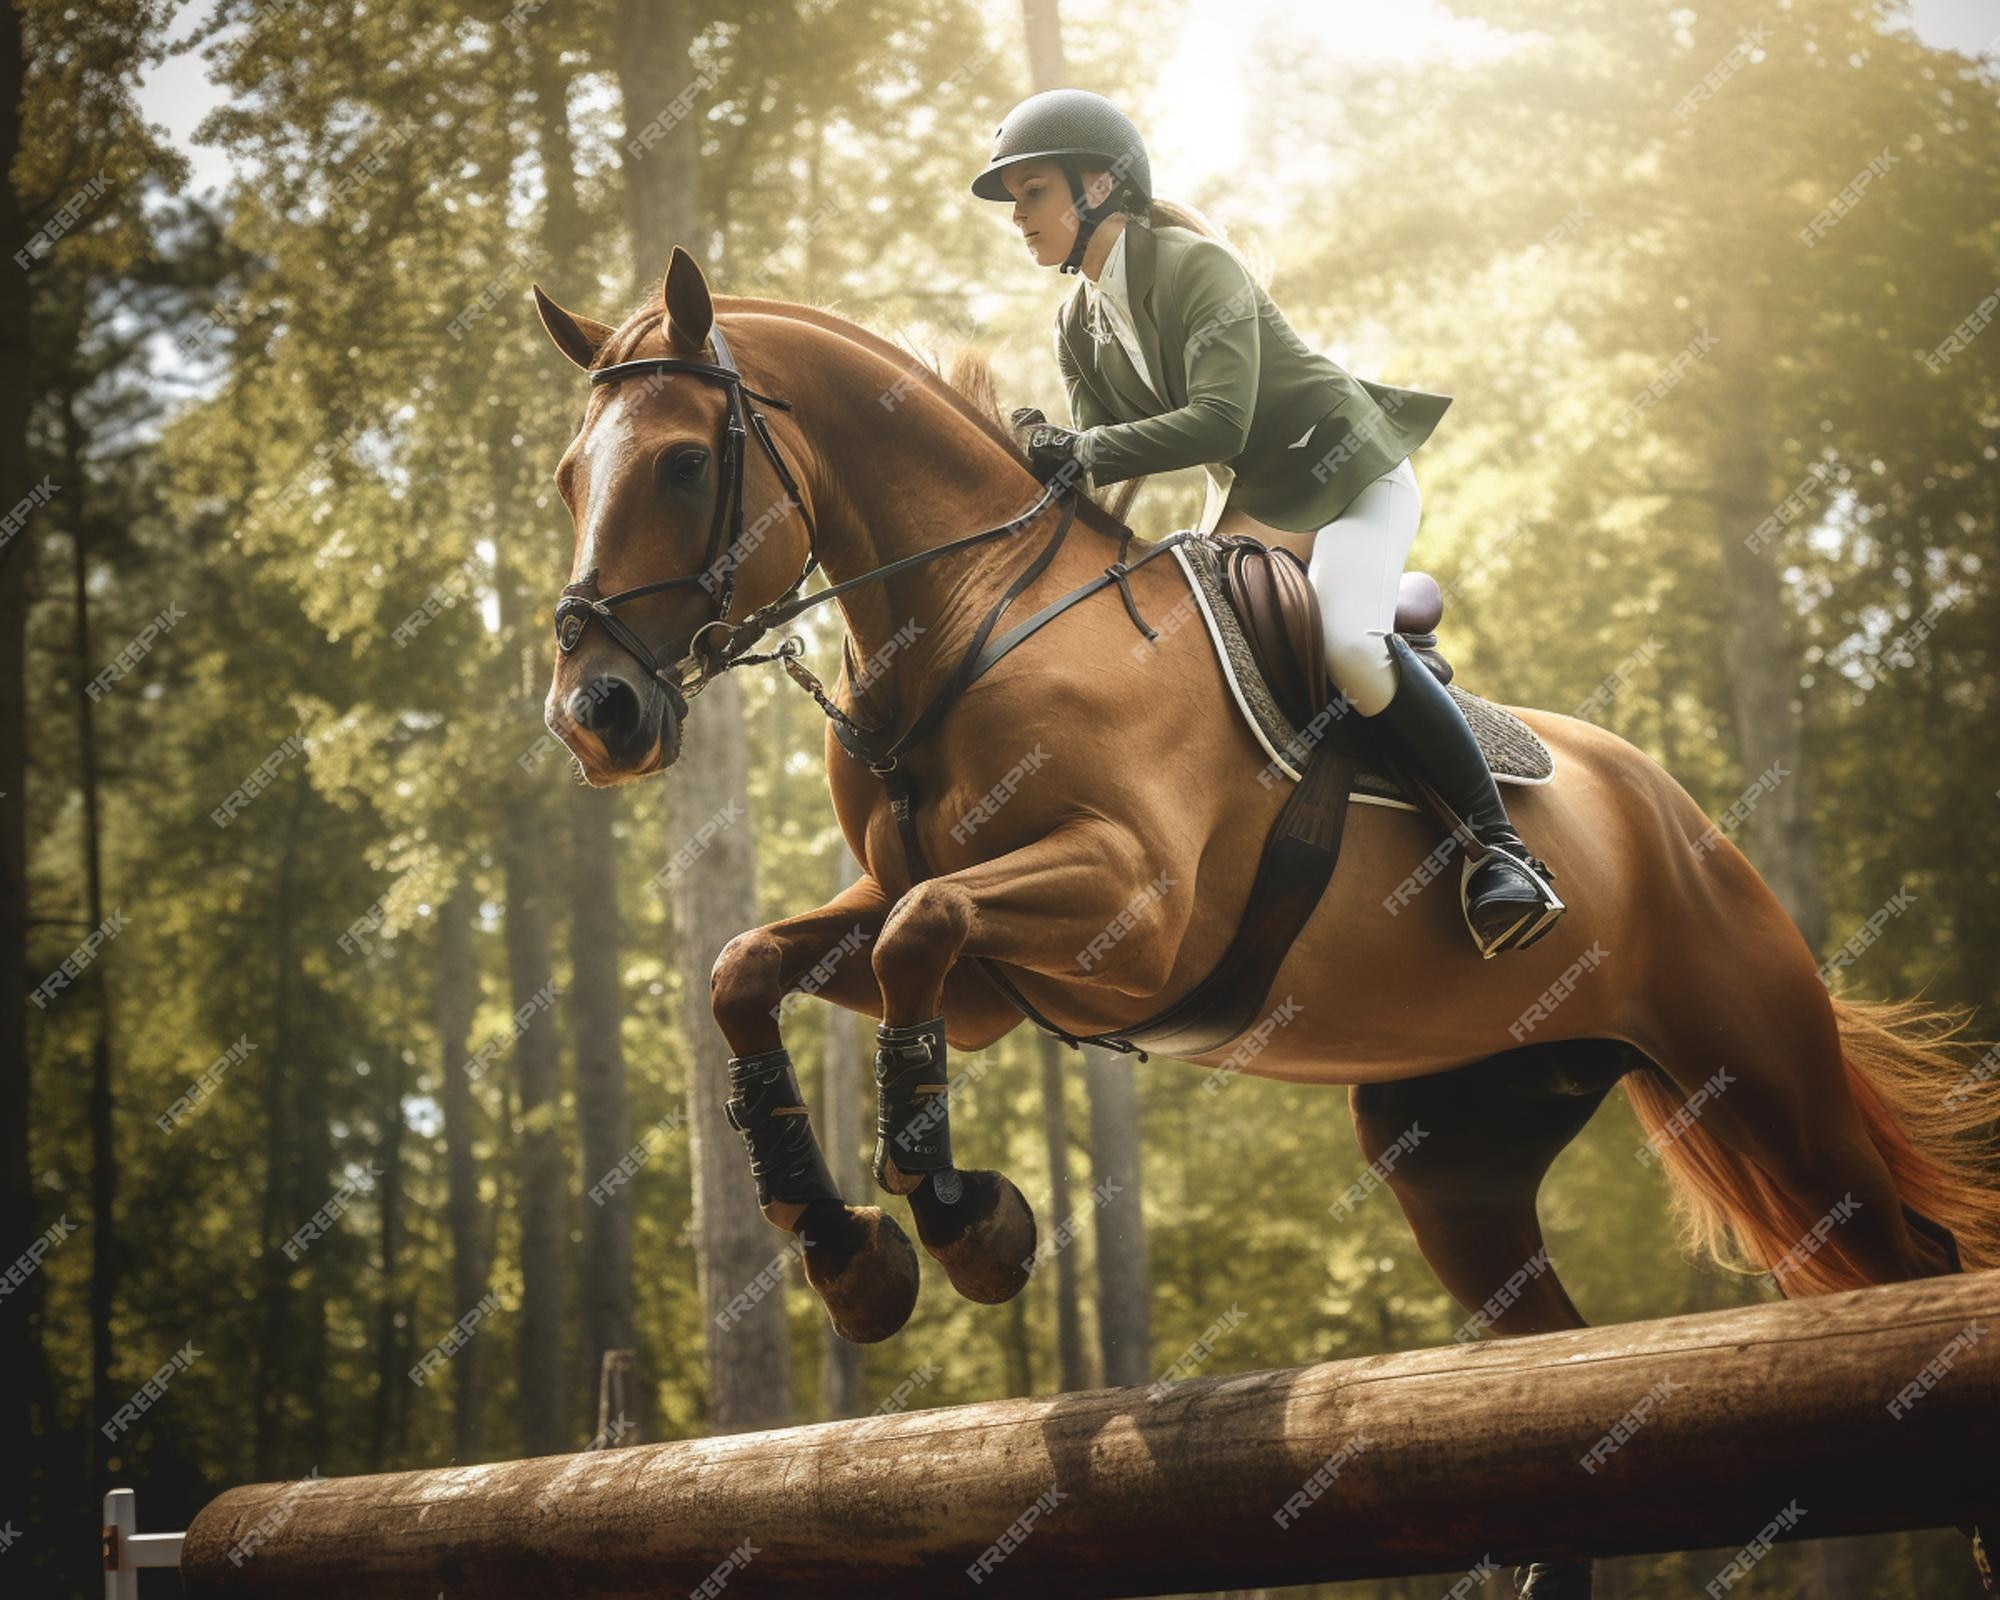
609 708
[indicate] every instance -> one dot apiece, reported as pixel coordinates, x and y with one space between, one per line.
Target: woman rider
1174 356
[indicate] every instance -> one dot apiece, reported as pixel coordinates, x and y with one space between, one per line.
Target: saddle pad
1511 747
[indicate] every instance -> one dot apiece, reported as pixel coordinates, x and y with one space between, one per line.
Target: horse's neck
905 480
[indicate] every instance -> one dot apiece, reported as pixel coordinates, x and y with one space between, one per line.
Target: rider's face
1043 211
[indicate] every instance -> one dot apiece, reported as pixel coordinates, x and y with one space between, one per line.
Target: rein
580 604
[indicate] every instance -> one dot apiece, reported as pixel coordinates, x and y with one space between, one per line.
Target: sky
1194 129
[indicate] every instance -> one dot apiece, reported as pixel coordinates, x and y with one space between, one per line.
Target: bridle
580 604
580 601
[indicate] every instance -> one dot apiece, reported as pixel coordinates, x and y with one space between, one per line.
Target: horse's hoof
863 1267
985 1238
1553 1580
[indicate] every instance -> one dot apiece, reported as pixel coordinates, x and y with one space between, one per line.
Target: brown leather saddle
1274 635
1279 612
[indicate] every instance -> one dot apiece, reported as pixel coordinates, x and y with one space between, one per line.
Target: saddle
1263 619
1262 615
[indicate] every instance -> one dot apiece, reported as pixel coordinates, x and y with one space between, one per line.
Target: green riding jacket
1301 435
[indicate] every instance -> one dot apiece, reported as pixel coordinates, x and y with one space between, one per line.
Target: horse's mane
964 382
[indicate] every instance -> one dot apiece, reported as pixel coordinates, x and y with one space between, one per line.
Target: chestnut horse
1812 1137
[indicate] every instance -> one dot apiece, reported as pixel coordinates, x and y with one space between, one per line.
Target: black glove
1023 415
1053 453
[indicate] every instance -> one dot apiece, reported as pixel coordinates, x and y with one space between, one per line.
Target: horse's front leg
857 1258
1046 908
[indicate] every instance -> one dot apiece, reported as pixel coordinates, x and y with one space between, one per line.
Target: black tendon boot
765 1106
913 1116
1504 890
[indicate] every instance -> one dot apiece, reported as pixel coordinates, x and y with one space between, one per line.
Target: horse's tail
1931 1104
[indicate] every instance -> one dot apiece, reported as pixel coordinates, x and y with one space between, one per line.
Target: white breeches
1357 569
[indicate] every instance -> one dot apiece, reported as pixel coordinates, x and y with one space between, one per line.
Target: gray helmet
1072 123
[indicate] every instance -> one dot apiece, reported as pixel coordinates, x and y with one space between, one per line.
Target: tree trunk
1042 21
391 1362
1759 634
1124 1326
540 1198
715 899
844 1087
282 1190
457 994
603 1110
1069 1312
104 1259
20 1329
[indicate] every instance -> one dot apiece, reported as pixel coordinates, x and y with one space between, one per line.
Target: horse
1818 1139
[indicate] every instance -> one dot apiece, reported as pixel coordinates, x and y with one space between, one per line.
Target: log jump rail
1852 1413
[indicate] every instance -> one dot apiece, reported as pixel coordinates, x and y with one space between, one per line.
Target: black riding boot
1505 891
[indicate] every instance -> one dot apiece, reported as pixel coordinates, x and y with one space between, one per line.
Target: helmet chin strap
1088 216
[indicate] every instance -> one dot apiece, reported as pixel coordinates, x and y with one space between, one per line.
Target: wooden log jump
1852 1413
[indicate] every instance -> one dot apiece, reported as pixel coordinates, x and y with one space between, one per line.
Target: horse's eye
684 468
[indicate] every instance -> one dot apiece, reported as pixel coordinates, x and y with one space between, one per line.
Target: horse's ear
579 338
690 310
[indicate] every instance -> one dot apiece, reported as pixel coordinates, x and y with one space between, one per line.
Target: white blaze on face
606 454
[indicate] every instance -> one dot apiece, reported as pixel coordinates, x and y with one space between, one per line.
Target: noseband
581 602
